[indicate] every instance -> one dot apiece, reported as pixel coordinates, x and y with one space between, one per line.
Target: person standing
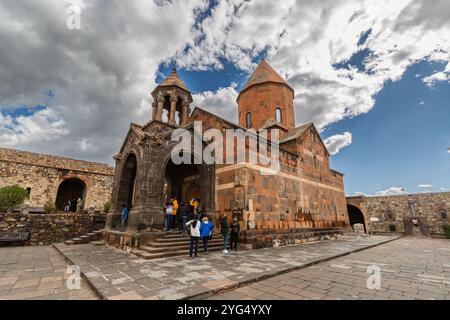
235 228
124 217
194 224
194 205
169 216
224 229
174 212
206 230
184 215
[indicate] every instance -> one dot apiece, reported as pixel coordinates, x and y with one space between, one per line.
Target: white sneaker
225 251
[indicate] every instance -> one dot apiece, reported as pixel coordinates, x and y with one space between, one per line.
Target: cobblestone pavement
117 275
411 268
37 273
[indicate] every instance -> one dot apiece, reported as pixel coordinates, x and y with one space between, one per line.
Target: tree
49 207
12 197
107 207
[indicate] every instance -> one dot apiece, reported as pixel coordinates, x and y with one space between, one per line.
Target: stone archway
126 186
183 181
70 190
355 216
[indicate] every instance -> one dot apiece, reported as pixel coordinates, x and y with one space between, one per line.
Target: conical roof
264 73
173 80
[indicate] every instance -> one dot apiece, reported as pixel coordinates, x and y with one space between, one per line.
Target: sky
373 75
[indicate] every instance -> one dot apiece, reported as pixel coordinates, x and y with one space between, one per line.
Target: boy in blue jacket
206 230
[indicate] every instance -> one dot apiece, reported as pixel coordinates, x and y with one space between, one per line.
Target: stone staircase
172 245
92 237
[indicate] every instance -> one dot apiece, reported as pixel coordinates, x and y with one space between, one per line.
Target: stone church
304 195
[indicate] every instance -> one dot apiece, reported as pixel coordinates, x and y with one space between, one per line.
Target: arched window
278 115
248 120
443 214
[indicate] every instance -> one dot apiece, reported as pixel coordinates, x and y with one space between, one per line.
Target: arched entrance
182 182
70 190
127 182
355 216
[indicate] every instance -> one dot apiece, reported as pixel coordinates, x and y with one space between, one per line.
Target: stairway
91 237
172 245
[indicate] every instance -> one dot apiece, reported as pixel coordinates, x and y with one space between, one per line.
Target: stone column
173 107
154 109
184 113
159 112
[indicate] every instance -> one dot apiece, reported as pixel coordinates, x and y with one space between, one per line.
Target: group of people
178 215
203 230
73 205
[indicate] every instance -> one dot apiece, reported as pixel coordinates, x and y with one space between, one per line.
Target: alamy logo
74 280
73 21
230 146
374 280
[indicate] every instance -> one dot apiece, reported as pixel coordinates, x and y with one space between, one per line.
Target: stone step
146 255
77 240
180 248
85 239
98 243
181 238
69 242
92 236
179 243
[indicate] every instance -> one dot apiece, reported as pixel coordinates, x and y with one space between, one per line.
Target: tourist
206 230
194 205
169 216
194 226
235 228
67 207
185 216
224 228
124 217
174 212
79 205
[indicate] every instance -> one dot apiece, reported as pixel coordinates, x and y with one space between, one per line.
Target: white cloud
448 150
358 193
102 75
422 103
425 186
221 102
392 191
306 39
337 142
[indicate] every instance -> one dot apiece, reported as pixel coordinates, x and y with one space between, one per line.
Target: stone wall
394 214
46 229
43 175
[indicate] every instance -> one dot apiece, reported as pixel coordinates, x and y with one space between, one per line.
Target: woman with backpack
194 226
206 230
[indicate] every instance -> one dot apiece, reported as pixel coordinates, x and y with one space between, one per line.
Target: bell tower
172 95
266 98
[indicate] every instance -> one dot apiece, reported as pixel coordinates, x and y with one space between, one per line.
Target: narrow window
278 115
29 192
248 120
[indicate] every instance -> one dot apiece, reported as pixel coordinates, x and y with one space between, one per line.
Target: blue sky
400 142
373 75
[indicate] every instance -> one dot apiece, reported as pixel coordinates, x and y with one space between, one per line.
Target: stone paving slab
114 274
37 273
410 269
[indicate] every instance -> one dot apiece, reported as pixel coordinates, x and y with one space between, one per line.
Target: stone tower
172 95
266 99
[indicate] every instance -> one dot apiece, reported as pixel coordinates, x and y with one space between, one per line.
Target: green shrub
12 197
107 207
49 207
447 231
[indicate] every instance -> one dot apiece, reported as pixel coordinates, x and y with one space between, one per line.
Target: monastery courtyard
410 268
